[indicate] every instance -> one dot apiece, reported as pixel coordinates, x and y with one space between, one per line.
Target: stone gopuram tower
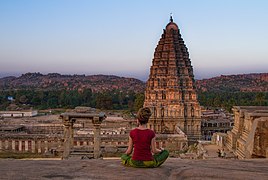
170 90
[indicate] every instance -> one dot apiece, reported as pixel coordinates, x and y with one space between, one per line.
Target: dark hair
143 115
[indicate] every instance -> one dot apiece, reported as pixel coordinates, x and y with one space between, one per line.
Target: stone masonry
249 137
170 90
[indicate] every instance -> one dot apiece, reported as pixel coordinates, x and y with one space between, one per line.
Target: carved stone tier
170 90
249 137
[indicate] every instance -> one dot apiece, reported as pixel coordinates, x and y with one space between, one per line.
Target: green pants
158 160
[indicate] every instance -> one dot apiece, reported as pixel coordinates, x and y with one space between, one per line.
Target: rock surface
112 169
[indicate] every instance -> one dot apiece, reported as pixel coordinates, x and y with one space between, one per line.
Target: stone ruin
249 137
77 133
69 118
109 137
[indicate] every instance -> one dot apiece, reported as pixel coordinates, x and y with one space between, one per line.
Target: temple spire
171 19
170 92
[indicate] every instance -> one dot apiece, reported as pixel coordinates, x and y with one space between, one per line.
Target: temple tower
170 90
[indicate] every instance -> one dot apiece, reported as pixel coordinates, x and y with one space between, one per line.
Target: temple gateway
170 90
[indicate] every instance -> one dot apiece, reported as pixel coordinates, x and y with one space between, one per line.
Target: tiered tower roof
170 90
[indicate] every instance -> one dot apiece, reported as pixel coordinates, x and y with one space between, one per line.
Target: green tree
138 103
87 97
260 99
63 101
103 101
52 99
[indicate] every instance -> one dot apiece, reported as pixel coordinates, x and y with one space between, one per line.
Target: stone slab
112 169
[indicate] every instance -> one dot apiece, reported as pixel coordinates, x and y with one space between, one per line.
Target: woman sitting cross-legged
143 141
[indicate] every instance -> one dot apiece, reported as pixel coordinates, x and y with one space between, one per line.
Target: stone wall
249 137
25 113
29 144
111 145
44 135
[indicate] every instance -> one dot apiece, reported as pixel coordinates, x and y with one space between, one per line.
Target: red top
142 144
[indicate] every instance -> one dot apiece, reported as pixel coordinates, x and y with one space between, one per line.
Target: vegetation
227 100
116 99
112 100
117 93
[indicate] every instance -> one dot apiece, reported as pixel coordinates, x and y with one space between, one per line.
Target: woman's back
142 140
142 144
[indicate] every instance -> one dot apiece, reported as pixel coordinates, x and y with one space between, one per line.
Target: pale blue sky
119 37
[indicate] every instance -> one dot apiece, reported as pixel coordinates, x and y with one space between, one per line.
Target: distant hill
235 83
55 81
100 83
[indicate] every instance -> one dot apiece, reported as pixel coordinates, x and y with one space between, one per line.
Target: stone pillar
20 145
71 133
160 144
68 136
46 146
0 145
39 150
33 146
97 140
26 145
68 120
6 144
13 144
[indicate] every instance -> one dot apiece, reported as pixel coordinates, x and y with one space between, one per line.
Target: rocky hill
234 83
55 81
100 83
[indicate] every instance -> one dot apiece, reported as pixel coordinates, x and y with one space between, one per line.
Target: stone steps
82 154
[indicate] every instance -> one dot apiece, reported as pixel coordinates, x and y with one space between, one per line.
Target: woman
143 141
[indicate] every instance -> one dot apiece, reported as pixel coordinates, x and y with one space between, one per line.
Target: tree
87 97
260 98
52 99
103 101
38 98
138 103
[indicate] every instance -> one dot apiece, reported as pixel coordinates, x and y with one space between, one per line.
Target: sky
118 37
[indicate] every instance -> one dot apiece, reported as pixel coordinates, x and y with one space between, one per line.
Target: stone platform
112 169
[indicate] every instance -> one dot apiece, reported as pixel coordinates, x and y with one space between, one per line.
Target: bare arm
153 146
130 146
